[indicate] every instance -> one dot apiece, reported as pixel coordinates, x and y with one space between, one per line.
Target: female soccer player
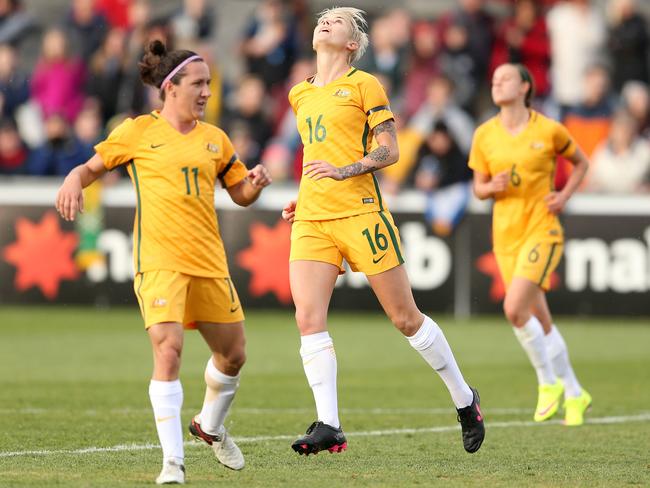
182 276
340 214
513 158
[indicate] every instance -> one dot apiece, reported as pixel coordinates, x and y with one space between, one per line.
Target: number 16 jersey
529 158
174 175
336 125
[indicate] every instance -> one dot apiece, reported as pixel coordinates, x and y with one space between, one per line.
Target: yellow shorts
535 261
368 242
170 296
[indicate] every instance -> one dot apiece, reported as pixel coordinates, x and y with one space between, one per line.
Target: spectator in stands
438 107
628 43
442 173
523 38
385 56
622 163
14 85
106 72
58 79
116 12
15 23
578 33
473 33
635 98
248 110
423 65
270 43
441 104
13 151
589 121
85 28
458 64
88 126
194 21
61 152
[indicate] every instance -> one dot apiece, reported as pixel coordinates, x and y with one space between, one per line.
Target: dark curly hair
157 63
525 76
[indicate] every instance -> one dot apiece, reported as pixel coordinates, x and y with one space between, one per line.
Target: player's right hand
289 211
70 198
500 182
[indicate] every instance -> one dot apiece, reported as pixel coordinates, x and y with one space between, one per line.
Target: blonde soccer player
174 160
513 158
340 215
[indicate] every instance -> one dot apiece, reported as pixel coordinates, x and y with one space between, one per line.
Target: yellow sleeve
232 170
562 141
119 147
477 160
292 98
375 102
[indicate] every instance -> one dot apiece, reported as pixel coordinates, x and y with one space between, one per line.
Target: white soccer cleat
173 473
222 444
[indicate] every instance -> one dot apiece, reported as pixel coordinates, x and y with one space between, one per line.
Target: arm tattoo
378 156
355 169
387 126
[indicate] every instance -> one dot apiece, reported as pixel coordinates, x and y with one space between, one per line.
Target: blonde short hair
358 25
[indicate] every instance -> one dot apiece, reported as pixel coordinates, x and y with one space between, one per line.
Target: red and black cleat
320 437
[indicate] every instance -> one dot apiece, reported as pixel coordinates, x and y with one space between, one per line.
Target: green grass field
74 409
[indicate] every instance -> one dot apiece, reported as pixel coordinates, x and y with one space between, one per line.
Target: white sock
531 338
167 400
319 362
219 393
559 355
432 345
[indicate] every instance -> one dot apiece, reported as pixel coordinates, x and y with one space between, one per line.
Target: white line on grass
260 411
622 419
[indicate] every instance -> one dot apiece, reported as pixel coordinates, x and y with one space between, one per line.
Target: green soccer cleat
575 408
548 401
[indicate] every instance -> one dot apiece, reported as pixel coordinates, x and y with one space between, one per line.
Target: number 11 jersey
174 175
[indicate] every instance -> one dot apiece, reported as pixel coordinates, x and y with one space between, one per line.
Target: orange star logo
42 255
267 259
487 264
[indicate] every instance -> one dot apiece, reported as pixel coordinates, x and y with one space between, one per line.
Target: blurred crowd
590 65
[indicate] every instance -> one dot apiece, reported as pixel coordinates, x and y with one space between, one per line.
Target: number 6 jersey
529 158
336 125
174 175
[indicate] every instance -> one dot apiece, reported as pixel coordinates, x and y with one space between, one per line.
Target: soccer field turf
75 409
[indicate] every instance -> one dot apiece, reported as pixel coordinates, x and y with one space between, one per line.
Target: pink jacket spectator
58 87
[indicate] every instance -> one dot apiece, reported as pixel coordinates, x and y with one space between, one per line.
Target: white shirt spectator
625 172
578 34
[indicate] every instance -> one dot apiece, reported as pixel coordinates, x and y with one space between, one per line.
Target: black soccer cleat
320 437
471 423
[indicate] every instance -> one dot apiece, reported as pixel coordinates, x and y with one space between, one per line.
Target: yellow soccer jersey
336 124
174 175
529 157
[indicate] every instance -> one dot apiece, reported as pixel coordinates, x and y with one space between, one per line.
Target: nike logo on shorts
375 261
232 310
156 146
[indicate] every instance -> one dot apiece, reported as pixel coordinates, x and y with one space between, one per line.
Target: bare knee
167 361
515 315
310 322
408 322
232 361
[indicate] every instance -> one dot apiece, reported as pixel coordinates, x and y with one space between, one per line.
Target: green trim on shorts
138 211
142 305
548 263
393 238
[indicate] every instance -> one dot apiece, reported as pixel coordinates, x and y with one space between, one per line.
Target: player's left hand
259 176
319 169
555 201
